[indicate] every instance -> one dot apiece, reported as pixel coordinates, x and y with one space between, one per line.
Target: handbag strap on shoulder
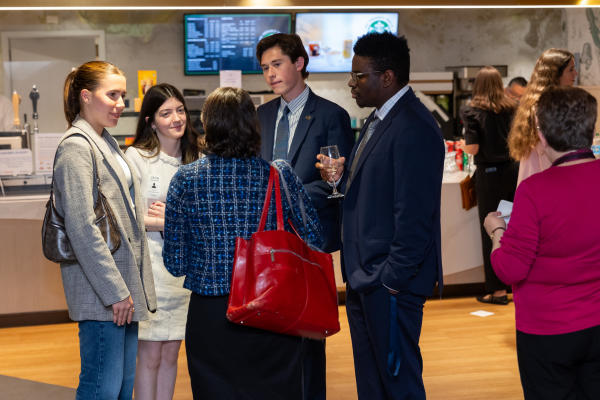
93 157
273 181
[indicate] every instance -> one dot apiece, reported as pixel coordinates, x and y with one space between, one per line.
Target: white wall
138 40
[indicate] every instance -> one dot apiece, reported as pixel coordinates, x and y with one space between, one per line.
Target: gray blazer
99 278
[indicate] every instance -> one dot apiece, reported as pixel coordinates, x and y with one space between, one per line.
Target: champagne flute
331 163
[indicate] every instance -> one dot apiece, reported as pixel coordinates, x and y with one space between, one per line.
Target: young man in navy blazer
294 127
390 221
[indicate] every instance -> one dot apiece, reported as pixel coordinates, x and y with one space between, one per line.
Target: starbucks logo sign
379 25
267 33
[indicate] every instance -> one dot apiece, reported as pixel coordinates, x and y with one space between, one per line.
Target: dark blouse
490 131
213 201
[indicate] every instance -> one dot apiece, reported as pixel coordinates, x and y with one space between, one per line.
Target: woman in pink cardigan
554 67
550 253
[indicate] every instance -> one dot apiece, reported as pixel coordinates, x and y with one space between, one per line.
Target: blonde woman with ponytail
106 293
554 67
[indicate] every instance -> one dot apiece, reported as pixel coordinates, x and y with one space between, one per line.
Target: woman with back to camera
164 140
106 293
550 254
210 203
554 67
487 122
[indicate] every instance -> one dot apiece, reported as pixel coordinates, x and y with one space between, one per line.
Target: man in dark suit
294 127
390 221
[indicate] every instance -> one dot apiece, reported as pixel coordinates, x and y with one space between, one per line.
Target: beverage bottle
459 156
596 145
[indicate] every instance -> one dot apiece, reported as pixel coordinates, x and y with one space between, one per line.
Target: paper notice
231 79
505 207
16 162
45 150
482 313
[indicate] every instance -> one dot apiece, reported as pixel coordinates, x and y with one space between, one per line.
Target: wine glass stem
334 185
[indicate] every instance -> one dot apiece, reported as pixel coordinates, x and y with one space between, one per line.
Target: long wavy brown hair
146 138
547 72
488 92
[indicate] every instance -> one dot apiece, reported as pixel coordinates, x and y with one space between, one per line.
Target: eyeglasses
515 95
355 75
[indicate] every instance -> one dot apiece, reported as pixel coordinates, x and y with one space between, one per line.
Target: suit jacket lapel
354 149
304 123
123 178
108 156
381 128
268 131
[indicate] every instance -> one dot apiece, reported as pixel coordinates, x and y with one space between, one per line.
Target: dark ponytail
89 77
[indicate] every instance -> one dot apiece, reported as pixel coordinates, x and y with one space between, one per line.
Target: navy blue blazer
322 123
391 211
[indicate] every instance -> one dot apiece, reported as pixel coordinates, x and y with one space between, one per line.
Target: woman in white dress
164 140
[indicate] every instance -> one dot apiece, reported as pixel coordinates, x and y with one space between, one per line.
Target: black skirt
227 361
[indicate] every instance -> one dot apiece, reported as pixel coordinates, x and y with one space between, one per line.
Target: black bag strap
82 134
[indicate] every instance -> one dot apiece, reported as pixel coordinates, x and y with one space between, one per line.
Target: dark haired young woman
487 122
164 140
106 293
210 203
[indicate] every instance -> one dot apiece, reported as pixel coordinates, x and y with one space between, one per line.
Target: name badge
493 169
153 191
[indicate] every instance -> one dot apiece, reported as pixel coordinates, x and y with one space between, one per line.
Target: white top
126 170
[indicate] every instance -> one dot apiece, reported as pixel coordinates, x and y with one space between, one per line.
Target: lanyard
576 155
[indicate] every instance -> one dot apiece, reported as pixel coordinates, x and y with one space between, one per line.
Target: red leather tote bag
280 284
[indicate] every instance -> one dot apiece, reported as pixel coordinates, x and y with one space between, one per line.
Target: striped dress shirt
296 107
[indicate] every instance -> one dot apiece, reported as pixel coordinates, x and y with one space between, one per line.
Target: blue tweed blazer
213 201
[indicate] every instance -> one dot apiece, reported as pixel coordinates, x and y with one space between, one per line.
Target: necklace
576 155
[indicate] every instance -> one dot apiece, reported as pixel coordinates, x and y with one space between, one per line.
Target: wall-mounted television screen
218 42
330 37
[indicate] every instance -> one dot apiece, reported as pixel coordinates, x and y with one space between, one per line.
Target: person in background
7 115
294 127
390 221
550 254
210 203
163 142
487 122
554 67
106 293
515 88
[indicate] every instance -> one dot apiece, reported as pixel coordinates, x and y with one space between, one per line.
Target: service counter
31 284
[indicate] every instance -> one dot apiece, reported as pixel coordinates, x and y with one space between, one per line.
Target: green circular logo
268 33
379 26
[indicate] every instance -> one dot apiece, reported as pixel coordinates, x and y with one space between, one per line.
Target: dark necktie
372 126
283 136
361 147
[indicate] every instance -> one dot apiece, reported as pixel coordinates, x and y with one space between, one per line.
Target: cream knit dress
168 323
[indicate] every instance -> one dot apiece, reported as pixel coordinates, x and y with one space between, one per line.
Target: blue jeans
108 355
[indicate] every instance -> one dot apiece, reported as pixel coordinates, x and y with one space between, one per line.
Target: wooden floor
466 357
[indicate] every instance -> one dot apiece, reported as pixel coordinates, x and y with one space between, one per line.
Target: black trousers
560 367
493 182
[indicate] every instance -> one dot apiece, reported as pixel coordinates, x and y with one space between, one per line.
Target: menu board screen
330 37
215 42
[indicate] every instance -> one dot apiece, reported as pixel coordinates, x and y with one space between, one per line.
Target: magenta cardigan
550 252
